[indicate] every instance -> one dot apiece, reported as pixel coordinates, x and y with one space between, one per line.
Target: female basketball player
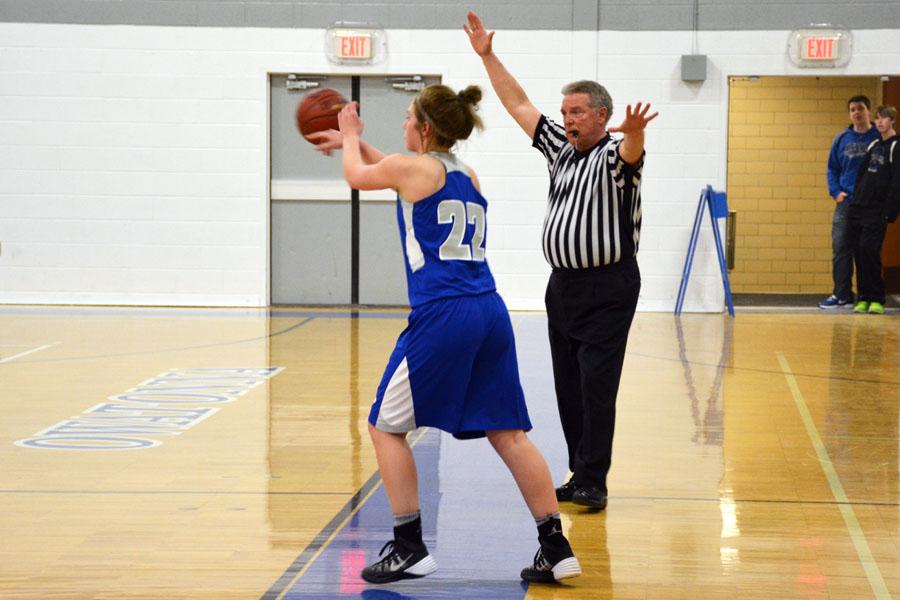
454 367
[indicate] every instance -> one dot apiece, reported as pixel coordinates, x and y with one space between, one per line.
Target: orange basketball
318 110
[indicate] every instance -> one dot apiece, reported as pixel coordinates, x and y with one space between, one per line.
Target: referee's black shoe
565 491
590 496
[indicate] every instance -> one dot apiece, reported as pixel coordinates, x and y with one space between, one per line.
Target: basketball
318 111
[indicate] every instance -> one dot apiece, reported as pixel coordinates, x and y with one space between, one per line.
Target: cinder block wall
134 159
780 131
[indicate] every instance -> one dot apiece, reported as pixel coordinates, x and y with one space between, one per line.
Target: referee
590 238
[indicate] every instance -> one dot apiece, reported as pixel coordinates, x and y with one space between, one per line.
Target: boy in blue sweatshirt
847 152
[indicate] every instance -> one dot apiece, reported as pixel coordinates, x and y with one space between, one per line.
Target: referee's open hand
480 39
635 120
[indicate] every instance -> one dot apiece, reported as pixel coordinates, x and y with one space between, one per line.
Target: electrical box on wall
693 67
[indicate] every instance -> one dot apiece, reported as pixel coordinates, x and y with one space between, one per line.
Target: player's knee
380 437
503 439
377 436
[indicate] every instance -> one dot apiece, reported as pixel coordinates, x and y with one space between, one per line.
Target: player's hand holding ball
326 141
317 119
349 121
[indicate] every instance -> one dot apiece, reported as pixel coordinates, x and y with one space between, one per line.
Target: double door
331 245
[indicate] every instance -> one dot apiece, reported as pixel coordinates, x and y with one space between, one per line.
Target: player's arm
370 154
388 172
511 94
330 140
475 181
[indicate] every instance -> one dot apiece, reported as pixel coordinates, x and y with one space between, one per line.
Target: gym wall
134 136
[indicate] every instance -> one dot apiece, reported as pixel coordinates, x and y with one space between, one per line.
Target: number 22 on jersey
460 214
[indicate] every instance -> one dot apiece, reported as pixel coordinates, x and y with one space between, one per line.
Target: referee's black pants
589 312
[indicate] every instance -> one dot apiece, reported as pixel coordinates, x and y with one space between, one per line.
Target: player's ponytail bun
451 115
471 95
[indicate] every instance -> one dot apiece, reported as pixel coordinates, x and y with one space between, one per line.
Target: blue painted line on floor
468 534
475 522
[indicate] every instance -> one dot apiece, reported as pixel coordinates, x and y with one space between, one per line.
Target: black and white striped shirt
594 205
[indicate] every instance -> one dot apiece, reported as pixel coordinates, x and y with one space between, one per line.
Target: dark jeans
589 314
841 253
865 234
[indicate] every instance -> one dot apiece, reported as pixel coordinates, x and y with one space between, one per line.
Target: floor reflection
708 426
861 415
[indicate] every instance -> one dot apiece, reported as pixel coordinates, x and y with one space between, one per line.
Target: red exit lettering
824 48
354 47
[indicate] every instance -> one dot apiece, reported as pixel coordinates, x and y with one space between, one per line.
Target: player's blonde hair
451 115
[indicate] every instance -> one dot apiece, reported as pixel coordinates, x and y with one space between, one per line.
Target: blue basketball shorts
454 367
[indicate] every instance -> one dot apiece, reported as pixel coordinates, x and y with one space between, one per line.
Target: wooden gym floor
218 454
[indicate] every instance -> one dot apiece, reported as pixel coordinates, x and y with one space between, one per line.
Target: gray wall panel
95 11
161 12
671 15
422 16
448 16
270 14
221 14
584 15
525 15
99 12
372 13
316 15
859 14
561 15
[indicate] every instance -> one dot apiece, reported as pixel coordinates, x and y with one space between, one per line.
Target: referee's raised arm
511 94
632 128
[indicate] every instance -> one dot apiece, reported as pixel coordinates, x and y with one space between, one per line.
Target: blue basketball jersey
444 237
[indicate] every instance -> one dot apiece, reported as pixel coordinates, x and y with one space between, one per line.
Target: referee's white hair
599 96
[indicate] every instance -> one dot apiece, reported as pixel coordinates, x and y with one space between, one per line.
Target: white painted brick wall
133 160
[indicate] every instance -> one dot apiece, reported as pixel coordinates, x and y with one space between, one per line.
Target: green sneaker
861 307
876 308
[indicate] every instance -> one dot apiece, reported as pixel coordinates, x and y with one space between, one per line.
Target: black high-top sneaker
565 491
404 560
554 560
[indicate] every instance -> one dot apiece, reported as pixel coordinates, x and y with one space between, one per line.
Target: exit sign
352 46
820 48
355 43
